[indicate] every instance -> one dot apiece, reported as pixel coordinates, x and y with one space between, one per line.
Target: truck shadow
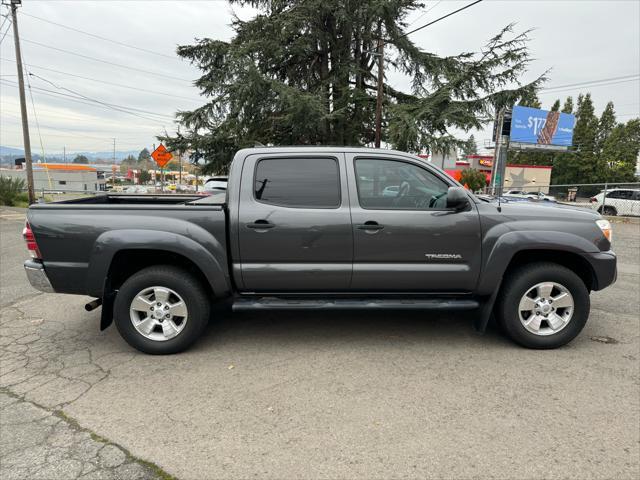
359 327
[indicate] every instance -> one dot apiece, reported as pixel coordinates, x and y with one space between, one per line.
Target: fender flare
502 253
211 261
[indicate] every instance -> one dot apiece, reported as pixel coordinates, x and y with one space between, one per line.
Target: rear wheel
543 305
161 310
607 210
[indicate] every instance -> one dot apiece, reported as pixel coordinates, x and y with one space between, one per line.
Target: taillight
30 238
593 199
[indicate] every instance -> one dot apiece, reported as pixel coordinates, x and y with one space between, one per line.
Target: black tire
184 284
518 282
611 211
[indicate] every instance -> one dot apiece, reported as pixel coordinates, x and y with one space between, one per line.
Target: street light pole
23 103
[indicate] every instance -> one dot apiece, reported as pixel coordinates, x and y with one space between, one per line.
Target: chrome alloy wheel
158 313
546 308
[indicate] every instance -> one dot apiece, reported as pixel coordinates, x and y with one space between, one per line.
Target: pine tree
556 106
304 72
620 152
605 126
568 105
469 147
580 166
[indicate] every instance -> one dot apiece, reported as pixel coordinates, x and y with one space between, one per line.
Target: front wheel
543 305
161 310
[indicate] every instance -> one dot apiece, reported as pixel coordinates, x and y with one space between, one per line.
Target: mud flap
108 299
484 313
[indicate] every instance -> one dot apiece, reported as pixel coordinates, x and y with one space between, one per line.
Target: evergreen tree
469 147
144 155
556 106
304 72
568 105
620 152
580 166
605 126
81 159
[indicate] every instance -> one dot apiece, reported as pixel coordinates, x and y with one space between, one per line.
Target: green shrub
11 191
473 179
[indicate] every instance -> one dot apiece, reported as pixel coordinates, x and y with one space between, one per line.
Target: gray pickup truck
322 228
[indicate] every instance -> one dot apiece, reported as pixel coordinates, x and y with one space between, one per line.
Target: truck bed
159 199
78 238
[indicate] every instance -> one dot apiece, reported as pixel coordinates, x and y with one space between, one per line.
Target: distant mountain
9 153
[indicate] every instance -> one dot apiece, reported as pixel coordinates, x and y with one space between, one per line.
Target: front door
294 224
405 239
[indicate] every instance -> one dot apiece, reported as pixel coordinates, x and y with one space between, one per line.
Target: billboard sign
541 127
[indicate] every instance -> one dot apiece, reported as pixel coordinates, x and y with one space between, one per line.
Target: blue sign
531 125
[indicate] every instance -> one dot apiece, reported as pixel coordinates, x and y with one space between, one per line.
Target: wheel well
570 260
127 262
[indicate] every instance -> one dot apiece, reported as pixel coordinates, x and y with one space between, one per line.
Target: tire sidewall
177 280
520 284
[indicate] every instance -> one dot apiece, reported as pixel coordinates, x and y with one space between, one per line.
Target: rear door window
298 182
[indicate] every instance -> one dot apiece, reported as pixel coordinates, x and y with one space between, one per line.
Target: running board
272 303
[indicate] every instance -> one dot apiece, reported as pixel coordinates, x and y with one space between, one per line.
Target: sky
579 41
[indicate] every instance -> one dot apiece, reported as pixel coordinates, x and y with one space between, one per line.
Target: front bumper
37 276
604 266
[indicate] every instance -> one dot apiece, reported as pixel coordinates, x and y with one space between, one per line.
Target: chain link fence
613 199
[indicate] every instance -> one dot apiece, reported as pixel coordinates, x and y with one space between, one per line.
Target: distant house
70 177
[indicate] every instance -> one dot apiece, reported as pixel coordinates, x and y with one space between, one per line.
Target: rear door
404 237
294 223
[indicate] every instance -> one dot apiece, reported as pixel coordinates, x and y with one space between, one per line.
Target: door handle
370 225
260 225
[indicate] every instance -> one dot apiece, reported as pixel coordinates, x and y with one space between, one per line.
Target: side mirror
457 199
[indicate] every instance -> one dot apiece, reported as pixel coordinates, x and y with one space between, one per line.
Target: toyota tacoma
322 228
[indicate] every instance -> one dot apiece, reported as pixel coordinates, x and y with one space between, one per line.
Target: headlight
605 226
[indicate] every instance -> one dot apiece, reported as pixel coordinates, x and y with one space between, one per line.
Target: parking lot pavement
328 395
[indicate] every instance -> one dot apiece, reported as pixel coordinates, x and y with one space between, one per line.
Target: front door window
397 185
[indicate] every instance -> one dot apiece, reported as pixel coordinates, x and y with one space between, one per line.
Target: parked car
391 191
215 184
136 189
310 228
619 201
530 195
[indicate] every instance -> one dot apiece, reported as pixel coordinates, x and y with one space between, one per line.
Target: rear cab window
298 182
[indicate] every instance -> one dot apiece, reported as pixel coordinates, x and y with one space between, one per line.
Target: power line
55 94
98 101
109 134
33 106
580 84
148 72
589 86
441 18
70 134
105 82
5 32
122 44
425 12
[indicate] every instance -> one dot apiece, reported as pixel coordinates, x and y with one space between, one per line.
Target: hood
541 208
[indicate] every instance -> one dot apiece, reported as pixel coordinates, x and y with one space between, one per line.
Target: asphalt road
328 395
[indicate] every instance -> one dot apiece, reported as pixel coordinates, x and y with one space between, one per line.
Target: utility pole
23 103
380 92
500 156
64 153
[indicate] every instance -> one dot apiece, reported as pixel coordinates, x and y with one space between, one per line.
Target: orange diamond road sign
162 156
